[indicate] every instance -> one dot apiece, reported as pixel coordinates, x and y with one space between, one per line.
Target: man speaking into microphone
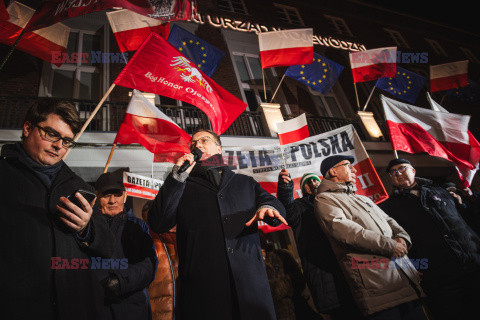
221 271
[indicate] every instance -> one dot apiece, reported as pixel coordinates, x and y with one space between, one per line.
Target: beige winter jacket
362 237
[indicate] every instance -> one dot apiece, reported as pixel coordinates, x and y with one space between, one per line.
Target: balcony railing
110 116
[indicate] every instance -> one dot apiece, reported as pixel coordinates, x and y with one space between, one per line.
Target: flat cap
394 162
110 181
331 161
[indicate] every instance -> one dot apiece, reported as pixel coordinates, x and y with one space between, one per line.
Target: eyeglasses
53 136
399 170
349 165
203 140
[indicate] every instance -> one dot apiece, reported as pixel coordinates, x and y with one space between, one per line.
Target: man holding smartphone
46 237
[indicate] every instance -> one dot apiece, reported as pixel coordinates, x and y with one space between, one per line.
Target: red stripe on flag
294 136
131 40
157 135
452 82
374 71
286 57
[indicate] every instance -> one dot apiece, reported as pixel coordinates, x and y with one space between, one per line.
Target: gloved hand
111 287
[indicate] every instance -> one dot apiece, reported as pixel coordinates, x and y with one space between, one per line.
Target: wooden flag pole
277 88
4 61
356 95
369 97
92 115
109 158
264 89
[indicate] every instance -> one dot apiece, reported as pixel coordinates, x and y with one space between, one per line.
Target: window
397 38
326 105
339 25
437 48
249 72
288 14
469 54
236 6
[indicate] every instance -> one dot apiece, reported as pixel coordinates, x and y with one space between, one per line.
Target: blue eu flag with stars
204 55
469 94
319 75
406 85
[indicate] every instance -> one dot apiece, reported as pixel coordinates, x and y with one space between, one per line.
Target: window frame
437 48
285 9
335 21
232 8
397 38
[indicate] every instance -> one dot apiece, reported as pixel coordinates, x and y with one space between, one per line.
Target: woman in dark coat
221 269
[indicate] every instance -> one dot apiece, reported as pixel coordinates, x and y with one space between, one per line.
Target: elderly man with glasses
369 245
433 218
48 240
221 270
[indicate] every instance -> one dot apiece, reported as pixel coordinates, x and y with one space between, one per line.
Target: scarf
210 169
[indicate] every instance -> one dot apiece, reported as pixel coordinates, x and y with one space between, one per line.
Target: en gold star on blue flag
320 75
406 85
205 56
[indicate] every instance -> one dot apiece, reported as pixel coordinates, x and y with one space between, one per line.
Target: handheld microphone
197 154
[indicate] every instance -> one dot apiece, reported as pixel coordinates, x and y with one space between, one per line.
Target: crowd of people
73 251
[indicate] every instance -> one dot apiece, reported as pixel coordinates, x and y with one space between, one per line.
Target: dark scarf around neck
210 169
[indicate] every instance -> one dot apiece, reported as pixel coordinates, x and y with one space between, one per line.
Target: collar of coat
330 186
421 182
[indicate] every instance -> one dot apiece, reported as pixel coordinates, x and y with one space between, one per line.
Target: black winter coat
324 278
31 235
221 267
438 232
133 243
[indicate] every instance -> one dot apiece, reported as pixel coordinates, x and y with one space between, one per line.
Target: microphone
197 154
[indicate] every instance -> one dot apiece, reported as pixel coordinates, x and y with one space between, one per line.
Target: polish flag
42 43
286 47
3 11
145 124
373 64
415 130
469 150
449 76
293 130
131 29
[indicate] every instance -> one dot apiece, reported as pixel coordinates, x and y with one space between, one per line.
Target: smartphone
89 196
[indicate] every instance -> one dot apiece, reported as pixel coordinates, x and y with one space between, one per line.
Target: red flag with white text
44 43
373 64
293 130
158 67
131 29
147 125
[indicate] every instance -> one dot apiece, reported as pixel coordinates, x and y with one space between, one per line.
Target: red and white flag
43 43
53 11
415 130
293 130
145 124
158 67
449 76
373 64
131 29
286 47
468 150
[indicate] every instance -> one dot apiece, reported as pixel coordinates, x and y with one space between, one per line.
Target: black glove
111 287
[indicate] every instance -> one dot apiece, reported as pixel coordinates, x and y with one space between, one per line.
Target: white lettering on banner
141 186
264 163
245 26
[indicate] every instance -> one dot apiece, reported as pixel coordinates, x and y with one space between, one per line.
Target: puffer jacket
360 231
162 290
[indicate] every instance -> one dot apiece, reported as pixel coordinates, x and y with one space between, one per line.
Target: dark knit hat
394 162
331 161
306 177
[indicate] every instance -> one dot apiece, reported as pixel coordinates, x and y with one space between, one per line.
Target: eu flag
406 85
205 56
469 94
320 75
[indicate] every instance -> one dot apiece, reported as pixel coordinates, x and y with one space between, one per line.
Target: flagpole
264 89
356 95
92 115
109 157
283 77
4 61
395 153
368 100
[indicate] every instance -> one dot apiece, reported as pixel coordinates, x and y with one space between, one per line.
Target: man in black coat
324 278
47 241
221 270
446 249
134 262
